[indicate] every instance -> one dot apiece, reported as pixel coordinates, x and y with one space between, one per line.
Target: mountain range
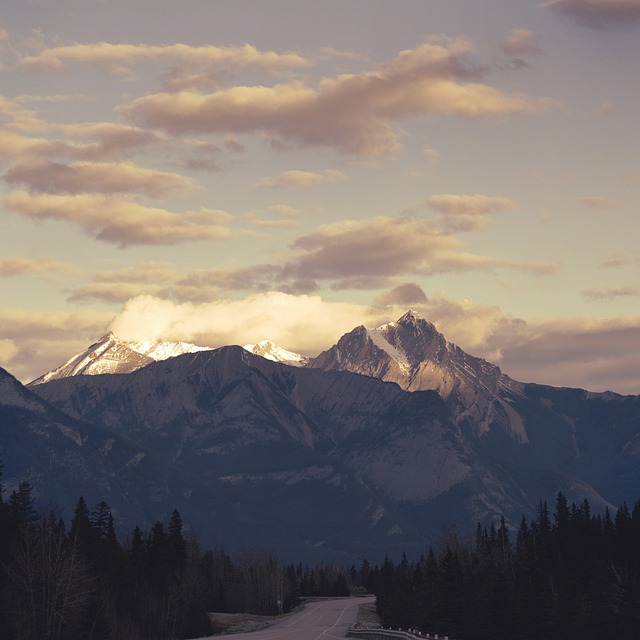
378 445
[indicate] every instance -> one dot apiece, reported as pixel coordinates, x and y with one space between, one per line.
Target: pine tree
21 507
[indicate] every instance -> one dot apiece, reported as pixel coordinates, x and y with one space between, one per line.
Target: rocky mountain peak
411 317
412 353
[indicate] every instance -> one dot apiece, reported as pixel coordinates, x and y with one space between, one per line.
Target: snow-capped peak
112 355
271 351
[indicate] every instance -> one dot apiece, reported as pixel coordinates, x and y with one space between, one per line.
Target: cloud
599 203
597 14
302 323
468 213
404 294
11 266
144 273
112 142
257 277
98 177
357 113
296 178
591 354
610 293
285 211
616 261
521 42
606 109
193 67
18 118
112 292
577 352
36 342
148 278
384 247
432 156
122 221
573 352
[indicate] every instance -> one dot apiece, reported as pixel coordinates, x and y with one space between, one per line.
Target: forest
82 583
570 575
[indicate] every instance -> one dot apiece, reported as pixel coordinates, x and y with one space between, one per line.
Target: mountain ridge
345 459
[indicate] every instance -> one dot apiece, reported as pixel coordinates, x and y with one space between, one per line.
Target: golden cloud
357 113
11 266
384 247
521 42
193 66
296 178
468 213
120 220
98 177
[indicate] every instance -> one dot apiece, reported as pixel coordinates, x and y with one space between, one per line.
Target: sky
224 172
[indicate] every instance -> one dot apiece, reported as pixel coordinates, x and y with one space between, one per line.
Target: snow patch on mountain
379 337
271 351
112 355
164 350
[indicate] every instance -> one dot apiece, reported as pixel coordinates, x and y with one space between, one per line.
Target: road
318 620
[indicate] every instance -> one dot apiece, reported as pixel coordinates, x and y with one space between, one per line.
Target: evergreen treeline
570 576
82 583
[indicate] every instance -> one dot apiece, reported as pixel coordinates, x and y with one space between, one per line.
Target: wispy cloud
469 212
599 203
610 293
120 220
98 177
521 42
295 178
192 67
597 13
11 266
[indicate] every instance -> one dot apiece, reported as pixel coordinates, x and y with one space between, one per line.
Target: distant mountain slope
344 463
271 351
112 355
63 457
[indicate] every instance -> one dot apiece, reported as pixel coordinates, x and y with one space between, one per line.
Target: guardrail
378 633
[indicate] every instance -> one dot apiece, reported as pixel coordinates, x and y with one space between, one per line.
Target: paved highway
317 621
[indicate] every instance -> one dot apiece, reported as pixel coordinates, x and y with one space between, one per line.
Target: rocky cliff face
413 354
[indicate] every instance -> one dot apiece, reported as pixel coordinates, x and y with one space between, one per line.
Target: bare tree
51 584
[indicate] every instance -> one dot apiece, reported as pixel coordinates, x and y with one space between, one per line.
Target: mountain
271 351
63 458
297 460
377 446
532 426
112 355
414 355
